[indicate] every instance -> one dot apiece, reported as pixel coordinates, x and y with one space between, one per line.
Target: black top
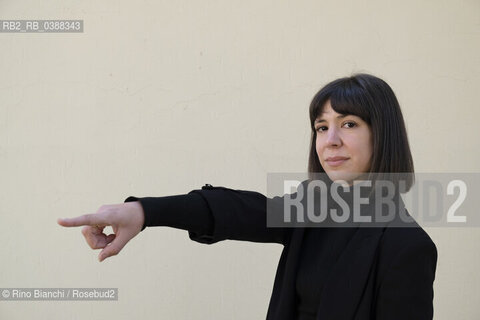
320 250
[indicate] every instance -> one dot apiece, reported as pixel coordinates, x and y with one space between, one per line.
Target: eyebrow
338 117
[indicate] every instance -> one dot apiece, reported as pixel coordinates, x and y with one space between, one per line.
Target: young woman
324 273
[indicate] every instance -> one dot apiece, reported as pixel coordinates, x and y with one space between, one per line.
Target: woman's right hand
126 220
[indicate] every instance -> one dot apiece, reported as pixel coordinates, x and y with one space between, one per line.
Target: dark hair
371 99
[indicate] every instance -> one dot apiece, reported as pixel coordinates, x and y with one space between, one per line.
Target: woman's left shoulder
410 244
409 235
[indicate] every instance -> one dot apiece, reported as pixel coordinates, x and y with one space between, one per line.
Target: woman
323 273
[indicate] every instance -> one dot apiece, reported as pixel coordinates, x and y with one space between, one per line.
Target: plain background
160 97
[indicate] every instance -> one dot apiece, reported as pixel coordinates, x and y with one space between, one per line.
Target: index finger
85 220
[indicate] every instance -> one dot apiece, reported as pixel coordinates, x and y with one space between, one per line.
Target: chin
338 176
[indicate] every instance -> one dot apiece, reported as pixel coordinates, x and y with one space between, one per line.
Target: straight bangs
346 97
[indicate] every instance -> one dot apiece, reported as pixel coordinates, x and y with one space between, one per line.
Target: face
344 144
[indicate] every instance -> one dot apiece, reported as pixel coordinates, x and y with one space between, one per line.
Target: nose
333 137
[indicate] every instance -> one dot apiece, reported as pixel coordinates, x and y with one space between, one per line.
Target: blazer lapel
283 300
348 278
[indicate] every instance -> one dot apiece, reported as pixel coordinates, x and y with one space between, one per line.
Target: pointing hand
126 220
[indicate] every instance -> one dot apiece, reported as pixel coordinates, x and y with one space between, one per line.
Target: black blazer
384 273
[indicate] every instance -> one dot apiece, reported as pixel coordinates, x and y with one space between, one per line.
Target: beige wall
161 97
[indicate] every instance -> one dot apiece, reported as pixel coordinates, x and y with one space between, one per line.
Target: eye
321 129
350 124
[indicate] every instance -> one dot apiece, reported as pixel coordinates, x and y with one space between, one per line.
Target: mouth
335 161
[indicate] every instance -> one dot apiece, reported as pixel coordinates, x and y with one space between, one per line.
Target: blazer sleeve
239 215
406 291
212 214
185 211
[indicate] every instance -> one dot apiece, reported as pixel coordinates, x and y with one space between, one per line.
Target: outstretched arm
210 215
189 212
